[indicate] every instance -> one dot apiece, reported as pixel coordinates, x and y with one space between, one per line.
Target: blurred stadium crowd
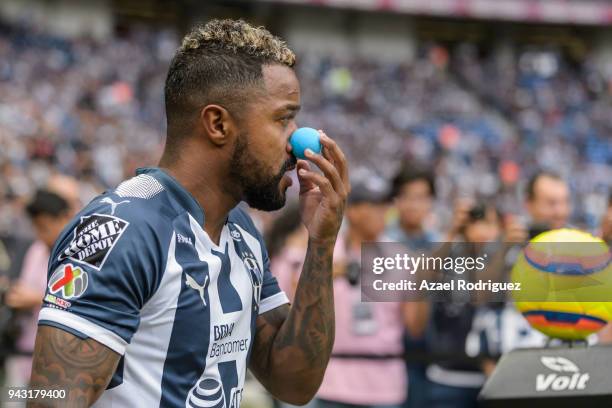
94 110
483 125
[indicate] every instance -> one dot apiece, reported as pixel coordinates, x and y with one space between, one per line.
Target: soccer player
159 291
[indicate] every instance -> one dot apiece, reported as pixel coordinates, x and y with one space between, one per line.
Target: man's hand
83 368
514 230
461 216
323 196
23 297
293 345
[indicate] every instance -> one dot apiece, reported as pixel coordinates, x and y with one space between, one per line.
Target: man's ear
217 123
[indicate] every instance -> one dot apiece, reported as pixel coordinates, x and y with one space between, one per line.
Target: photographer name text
457 284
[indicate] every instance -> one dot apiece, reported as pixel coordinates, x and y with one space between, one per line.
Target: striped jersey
136 272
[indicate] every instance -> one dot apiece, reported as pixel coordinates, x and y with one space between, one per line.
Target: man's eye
285 121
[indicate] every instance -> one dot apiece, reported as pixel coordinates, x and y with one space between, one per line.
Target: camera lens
477 212
352 273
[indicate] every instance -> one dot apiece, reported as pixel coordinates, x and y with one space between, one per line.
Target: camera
352 273
537 229
477 212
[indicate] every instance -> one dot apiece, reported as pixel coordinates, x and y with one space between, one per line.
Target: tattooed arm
293 345
64 361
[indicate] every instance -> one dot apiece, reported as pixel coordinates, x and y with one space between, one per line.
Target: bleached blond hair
219 62
237 36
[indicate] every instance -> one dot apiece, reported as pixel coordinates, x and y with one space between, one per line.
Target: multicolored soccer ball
566 283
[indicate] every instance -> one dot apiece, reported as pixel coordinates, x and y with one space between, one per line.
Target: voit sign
565 375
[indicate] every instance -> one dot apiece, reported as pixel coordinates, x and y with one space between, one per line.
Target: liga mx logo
69 281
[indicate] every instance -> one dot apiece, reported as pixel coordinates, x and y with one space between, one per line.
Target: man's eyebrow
293 107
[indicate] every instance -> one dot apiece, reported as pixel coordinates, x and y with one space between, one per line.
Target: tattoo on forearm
311 327
82 367
301 339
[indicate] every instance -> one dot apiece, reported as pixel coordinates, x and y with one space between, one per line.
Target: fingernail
302 172
309 152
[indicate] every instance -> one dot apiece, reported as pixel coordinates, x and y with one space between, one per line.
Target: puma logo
114 205
193 284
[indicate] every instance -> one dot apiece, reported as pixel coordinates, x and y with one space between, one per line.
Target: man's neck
205 186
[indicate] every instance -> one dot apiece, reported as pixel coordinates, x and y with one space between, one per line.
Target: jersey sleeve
272 296
102 271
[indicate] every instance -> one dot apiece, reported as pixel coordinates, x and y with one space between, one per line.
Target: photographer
49 214
499 330
547 201
414 194
366 368
12 253
454 380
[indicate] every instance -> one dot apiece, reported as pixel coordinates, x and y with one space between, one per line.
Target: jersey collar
178 192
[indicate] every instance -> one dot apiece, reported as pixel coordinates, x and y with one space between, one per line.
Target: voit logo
567 376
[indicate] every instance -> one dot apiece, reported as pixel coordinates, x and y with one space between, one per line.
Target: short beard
259 190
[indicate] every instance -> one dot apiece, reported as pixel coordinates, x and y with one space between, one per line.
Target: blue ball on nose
305 138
